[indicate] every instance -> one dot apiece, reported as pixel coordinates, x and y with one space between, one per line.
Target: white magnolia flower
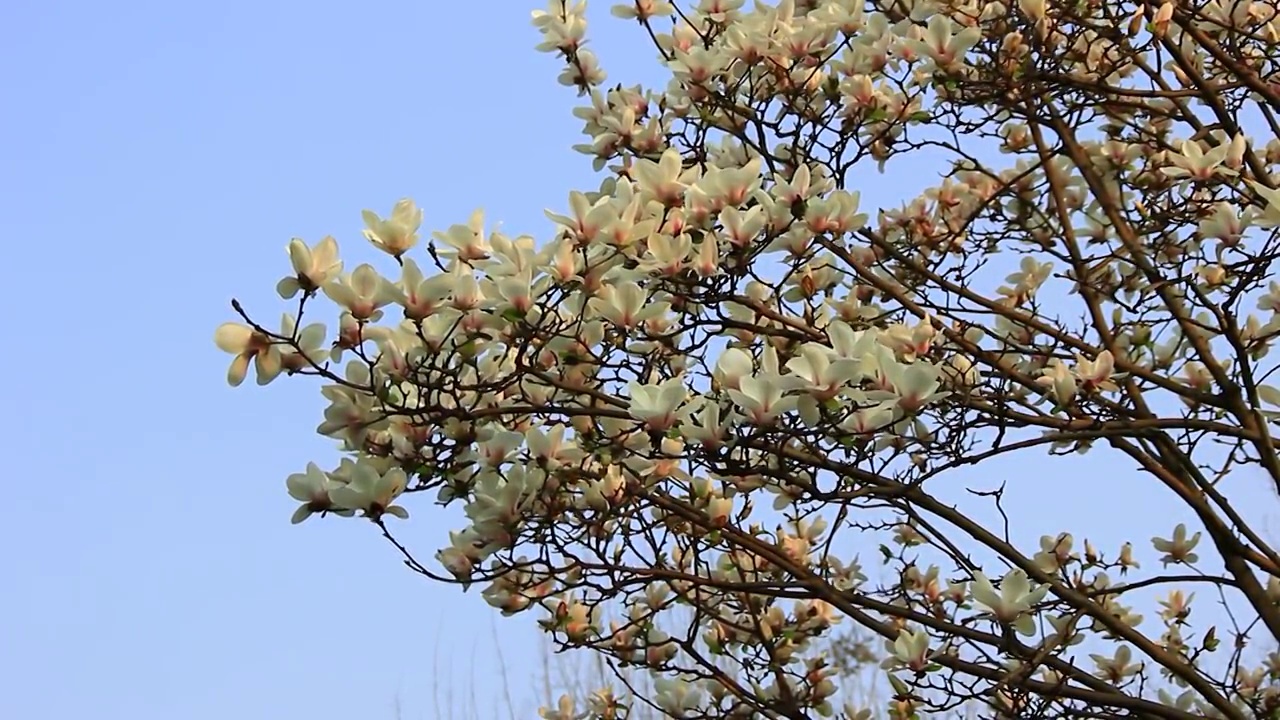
363 293
1097 373
1012 603
310 348
313 489
1059 381
944 46
823 377
466 243
421 296
371 491
708 429
397 234
1118 667
312 267
626 305
910 649
761 397
1178 549
677 696
1192 162
246 344
915 385
662 180
549 446
657 405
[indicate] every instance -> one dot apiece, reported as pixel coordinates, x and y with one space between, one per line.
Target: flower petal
238 370
232 337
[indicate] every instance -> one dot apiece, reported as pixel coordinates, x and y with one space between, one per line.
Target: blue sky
155 160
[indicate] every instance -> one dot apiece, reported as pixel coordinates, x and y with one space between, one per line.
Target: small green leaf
1211 639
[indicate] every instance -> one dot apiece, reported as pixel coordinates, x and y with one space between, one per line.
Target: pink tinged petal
939 32
233 338
1105 365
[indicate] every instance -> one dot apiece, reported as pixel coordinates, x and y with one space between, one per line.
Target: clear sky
155 159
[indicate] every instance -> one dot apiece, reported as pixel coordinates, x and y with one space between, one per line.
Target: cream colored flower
397 234
246 344
363 293
1013 603
312 267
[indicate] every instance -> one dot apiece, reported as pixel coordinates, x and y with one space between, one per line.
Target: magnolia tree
717 342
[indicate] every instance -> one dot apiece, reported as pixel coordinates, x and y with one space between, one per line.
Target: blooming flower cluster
718 340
